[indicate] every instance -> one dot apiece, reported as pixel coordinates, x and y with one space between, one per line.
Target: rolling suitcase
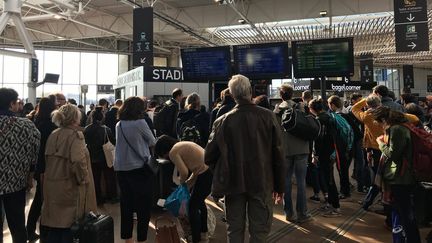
94 229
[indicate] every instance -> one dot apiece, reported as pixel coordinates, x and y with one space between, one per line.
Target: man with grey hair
245 153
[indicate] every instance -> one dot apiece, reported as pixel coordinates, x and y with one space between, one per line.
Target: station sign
163 74
411 25
105 89
366 68
143 36
408 76
340 86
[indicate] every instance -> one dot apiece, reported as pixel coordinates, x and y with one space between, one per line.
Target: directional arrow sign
410 18
408 10
412 45
142 37
143 60
412 37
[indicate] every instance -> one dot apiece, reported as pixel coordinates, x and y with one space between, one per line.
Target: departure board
206 64
318 58
270 60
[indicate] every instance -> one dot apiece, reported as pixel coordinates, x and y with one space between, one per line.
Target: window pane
50 89
71 67
72 92
53 63
107 68
123 64
13 69
19 88
91 95
88 68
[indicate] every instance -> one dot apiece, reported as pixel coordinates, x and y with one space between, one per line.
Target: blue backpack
344 131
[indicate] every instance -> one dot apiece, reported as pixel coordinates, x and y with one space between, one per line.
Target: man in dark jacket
164 121
111 116
383 92
245 152
323 149
228 104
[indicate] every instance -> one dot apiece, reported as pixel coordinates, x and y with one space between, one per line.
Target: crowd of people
239 152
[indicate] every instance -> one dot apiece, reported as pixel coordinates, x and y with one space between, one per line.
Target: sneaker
305 219
333 213
325 207
315 198
33 238
344 196
291 218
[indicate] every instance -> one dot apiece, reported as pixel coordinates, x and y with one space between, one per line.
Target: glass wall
75 69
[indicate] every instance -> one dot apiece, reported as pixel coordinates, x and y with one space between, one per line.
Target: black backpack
300 124
189 131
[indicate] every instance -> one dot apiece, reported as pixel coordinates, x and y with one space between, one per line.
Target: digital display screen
318 58
258 61
205 64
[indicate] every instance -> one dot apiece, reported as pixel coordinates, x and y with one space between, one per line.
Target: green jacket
398 149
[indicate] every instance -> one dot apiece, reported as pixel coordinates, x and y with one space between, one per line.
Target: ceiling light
241 21
60 37
323 13
58 16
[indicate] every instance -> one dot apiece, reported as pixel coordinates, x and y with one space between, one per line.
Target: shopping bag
178 202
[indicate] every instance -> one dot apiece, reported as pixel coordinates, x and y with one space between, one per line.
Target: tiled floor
355 225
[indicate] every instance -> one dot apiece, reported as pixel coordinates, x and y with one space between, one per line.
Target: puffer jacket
245 152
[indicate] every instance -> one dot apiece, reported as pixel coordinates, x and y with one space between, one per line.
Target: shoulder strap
133 149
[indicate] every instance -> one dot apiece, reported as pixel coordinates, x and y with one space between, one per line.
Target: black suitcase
94 229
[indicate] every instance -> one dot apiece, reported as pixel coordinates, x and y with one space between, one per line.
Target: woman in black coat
96 135
42 120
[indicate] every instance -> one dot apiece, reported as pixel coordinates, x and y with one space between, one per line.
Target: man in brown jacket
245 153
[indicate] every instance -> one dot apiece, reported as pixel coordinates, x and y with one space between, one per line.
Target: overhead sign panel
366 68
143 37
268 60
163 74
411 27
429 83
408 76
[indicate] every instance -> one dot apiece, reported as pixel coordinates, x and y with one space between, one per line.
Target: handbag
152 164
109 151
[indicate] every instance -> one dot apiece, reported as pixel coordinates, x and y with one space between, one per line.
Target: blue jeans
296 164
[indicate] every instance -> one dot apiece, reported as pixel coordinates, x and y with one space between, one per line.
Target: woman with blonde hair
69 192
192 117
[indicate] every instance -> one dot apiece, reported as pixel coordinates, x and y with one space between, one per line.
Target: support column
174 60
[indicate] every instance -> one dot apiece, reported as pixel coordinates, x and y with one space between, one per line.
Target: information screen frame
210 77
286 73
322 73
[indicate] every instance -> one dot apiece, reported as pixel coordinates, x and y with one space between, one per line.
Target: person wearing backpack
296 158
192 124
398 176
323 150
165 119
344 142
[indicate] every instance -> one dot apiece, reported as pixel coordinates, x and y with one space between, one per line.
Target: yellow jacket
372 130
